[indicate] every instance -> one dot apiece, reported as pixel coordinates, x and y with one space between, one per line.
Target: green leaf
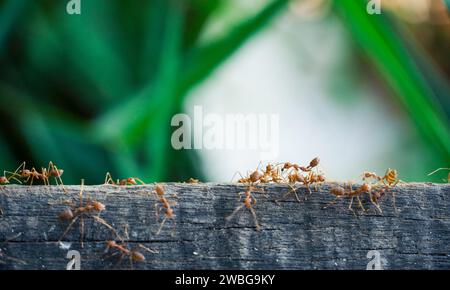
377 38
9 14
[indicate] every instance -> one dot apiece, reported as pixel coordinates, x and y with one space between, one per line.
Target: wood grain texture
293 236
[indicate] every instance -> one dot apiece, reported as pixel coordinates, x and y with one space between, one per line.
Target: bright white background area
308 72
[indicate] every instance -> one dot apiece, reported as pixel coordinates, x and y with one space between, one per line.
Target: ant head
320 178
56 172
98 206
366 187
159 190
3 180
338 191
66 214
137 256
314 162
169 212
131 180
111 244
287 165
391 172
255 176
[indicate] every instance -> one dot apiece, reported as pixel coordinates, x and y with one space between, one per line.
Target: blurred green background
96 92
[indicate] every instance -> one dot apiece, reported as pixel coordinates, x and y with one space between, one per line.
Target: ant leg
439 169
293 190
125 232
260 190
20 168
350 207
393 203
331 203
82 231
80 195
237 172
234 212
109 179
119 260
157 211
32 177
377 206
139 180
58 178
360 204
103 222
12 175
148 249
161 226
68 228
173 228
255 219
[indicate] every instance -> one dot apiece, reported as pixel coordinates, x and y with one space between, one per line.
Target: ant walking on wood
122 182
384 183
293 173
341 192
166 205
249 202
82 211
22 173
121 248
52 171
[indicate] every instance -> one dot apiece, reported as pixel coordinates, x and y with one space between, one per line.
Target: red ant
272 174
4 180
81 211
23 173
193 181
122 248
341 192
45 174
389 180
52 171
122 182
166 205
312 164
294 176
249 200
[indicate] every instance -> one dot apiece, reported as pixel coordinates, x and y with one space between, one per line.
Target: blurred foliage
95 92
418 87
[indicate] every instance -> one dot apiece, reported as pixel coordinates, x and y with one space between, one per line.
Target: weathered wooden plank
293 236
